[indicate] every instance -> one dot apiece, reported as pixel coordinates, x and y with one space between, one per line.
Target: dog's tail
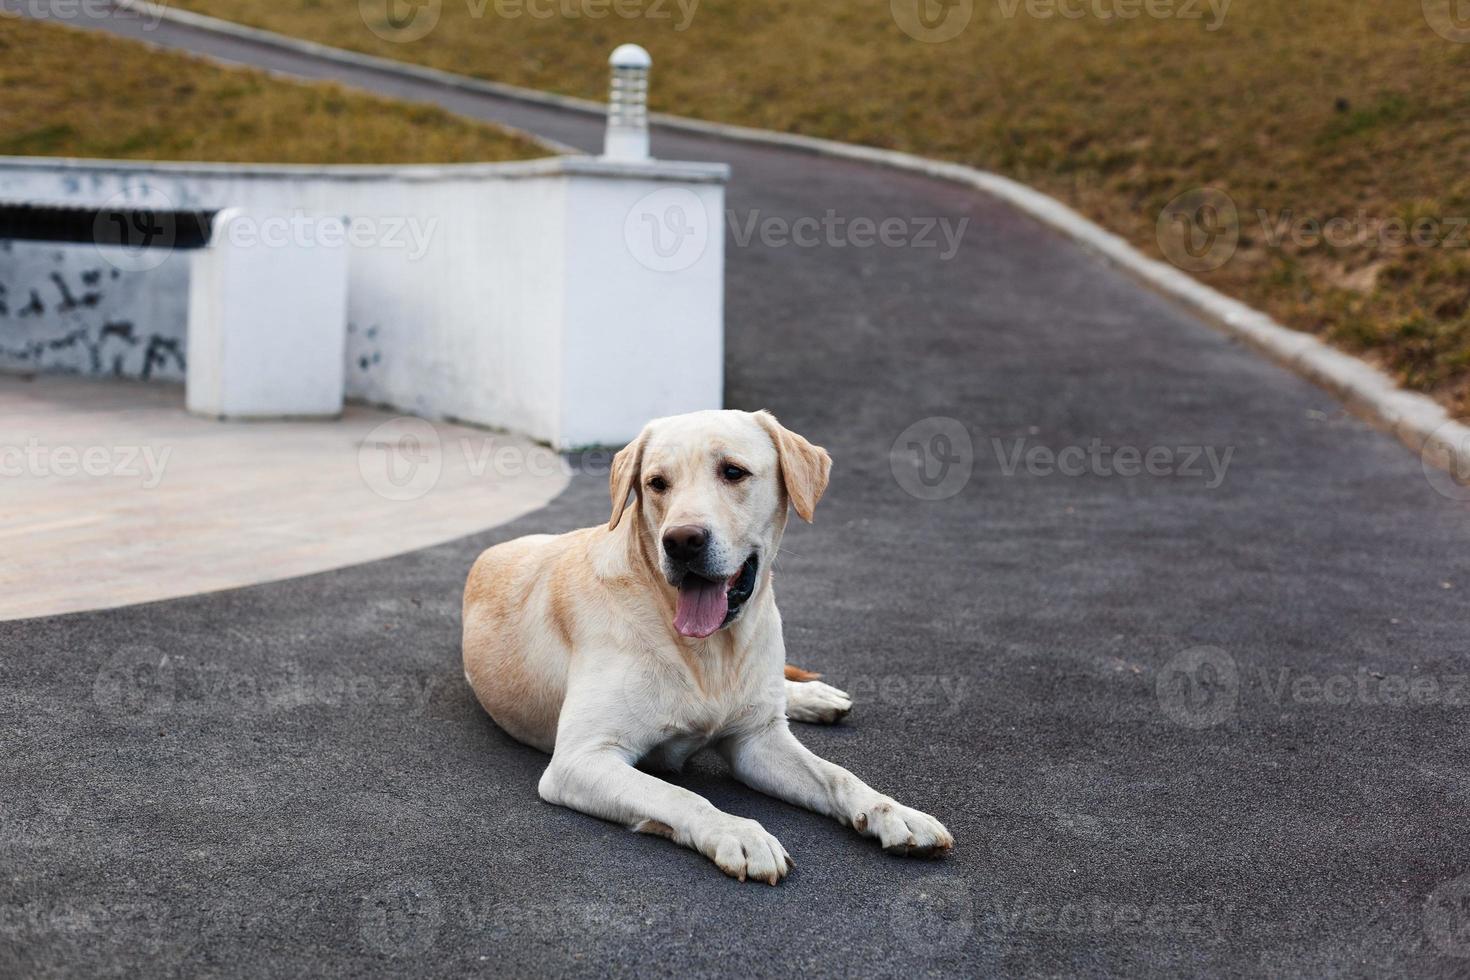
799 675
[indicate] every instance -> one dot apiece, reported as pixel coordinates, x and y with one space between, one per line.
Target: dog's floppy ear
804 467
626 466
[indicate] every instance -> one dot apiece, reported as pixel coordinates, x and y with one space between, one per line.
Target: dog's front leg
771 760
602 782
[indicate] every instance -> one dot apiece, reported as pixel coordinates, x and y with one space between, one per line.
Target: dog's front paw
816 703
743 849
903 830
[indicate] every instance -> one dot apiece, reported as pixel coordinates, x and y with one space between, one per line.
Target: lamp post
627 104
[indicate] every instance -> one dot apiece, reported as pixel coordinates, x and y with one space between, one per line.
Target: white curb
1418 421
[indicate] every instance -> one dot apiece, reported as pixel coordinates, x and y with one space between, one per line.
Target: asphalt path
1178 654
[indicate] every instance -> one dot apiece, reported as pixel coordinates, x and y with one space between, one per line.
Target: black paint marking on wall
367 361
35 307
121 329
70 302
160 349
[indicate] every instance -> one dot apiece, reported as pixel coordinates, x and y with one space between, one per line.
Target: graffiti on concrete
63 310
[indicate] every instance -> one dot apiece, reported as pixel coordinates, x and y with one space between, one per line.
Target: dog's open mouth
706 605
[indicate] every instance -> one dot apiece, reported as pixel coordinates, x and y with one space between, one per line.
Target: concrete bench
267 315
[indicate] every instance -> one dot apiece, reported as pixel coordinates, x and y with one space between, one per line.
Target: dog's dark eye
733 473
658 484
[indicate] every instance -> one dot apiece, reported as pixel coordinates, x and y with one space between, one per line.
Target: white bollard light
627 104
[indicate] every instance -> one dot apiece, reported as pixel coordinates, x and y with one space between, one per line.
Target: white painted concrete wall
569 299
267 326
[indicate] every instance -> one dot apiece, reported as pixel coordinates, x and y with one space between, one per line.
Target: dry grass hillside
65 92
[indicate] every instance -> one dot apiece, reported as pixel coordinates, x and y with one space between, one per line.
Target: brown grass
65 92
1323 108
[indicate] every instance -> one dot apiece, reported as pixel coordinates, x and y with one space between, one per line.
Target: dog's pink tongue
702 607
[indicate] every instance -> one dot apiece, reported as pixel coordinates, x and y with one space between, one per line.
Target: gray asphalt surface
1158 714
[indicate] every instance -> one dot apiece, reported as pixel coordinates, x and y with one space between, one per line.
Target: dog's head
711 491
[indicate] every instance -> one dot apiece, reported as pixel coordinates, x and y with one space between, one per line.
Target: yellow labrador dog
657 636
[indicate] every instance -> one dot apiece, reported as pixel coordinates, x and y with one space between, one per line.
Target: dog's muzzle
708 604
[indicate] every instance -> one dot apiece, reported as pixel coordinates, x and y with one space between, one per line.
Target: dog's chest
696 725
671 754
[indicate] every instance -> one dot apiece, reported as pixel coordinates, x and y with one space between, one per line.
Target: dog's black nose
686 542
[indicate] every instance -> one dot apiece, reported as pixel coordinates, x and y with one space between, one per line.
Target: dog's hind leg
812 701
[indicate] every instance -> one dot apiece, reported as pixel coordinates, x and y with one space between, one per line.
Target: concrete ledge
517 295
1418 421
672 171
